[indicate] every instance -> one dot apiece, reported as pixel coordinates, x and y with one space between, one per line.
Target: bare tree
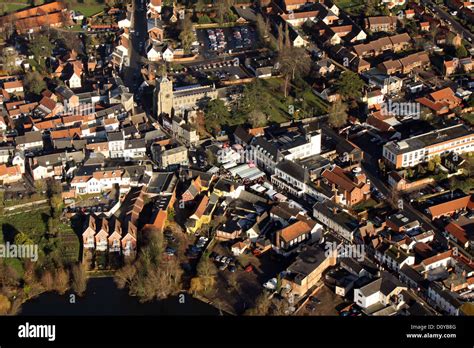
61 281
47 280
293 61
337 114
79 279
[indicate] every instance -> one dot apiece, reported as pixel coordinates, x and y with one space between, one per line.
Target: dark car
170 251
231 268
314 300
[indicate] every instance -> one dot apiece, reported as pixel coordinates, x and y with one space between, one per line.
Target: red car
249 269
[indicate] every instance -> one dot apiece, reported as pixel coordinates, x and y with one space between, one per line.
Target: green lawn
351 6
88 10
9 8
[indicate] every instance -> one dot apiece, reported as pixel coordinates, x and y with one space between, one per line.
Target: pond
104 298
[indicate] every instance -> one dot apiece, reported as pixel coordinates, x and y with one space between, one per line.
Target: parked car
218 258
249 269
271 284
314 300
222 267
232 268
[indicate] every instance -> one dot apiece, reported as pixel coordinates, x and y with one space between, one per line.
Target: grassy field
87 9
278 106
9 8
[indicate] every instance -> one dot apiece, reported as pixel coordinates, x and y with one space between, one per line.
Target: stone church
178 100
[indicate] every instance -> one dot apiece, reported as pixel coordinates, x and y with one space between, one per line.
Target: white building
422 148
268 151
443 300
379 293
98 181
116 144
134 148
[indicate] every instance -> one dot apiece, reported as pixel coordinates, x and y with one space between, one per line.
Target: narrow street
138 36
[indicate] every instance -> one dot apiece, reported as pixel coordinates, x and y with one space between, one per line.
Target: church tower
164 95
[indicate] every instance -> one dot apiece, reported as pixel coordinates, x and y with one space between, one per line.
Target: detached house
154 8
378 294
293 235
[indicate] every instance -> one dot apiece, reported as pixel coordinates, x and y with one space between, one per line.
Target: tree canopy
350 85
216 115
34 82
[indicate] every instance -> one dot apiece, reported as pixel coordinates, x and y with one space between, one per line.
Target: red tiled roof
457 232
13 84
201 207
295 230
449 207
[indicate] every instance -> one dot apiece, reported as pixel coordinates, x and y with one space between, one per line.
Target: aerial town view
237 158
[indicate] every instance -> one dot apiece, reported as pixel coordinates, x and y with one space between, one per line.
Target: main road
453 23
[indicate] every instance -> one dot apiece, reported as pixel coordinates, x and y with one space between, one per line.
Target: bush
204 20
